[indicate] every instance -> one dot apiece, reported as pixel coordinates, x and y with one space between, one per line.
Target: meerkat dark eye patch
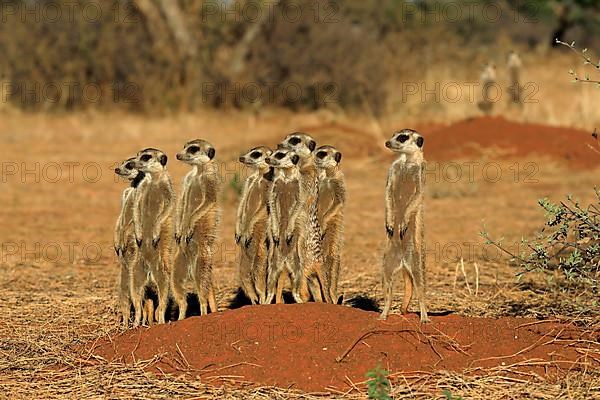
420 141
295 159
163 160
145 157
402 138
311 145
193 149
321 154
255 154
279 156
294 141
211 153
129 165
338 157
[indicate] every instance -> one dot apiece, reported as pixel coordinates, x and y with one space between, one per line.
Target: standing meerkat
330 210
304 146
488 81
514 64
251 231
197 221
124 241
152 214
287 220
404 196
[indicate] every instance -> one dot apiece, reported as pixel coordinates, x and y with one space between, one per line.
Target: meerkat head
150 160
327 157
283 158
256 157
127 169
197 152
406 141
301 143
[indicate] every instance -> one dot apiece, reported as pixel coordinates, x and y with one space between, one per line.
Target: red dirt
466 138
471 138
296 345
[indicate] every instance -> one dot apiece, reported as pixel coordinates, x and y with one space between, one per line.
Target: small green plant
236 184
449 396
569 243
378 385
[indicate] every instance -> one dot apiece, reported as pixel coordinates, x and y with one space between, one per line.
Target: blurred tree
566 13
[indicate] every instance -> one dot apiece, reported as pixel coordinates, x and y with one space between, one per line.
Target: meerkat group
488 78
289 226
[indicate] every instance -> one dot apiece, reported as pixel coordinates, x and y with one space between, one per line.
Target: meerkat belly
151 207
326 198
252 202
286 201
405 190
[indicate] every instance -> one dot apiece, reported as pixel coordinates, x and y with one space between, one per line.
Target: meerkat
330 210
197 221
488 81
152 215
124 240
287 220
514 64
251 231
304 146
404 196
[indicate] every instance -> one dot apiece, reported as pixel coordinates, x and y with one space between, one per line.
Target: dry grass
50 305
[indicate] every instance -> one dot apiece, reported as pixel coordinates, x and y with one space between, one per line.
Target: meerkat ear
338 157
211 153
163 160
311 145
295 159
420 141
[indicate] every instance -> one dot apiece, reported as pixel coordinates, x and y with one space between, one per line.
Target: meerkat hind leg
162 289
125 296
408 290
180 273
138 279
388 284
246 278
148 312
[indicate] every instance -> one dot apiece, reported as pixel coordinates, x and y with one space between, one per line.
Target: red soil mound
467 139
318 346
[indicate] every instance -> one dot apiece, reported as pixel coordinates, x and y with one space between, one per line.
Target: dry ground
58 271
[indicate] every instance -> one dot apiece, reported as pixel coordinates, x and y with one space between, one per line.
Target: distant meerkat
514 64
330 210
404 196
152 215
251 231
488 81
124 239
197 221
304 146
287 220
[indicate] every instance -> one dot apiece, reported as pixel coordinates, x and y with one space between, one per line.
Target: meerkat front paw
138 242
238 237
402 230
189 236
155 242
389 230
117 250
